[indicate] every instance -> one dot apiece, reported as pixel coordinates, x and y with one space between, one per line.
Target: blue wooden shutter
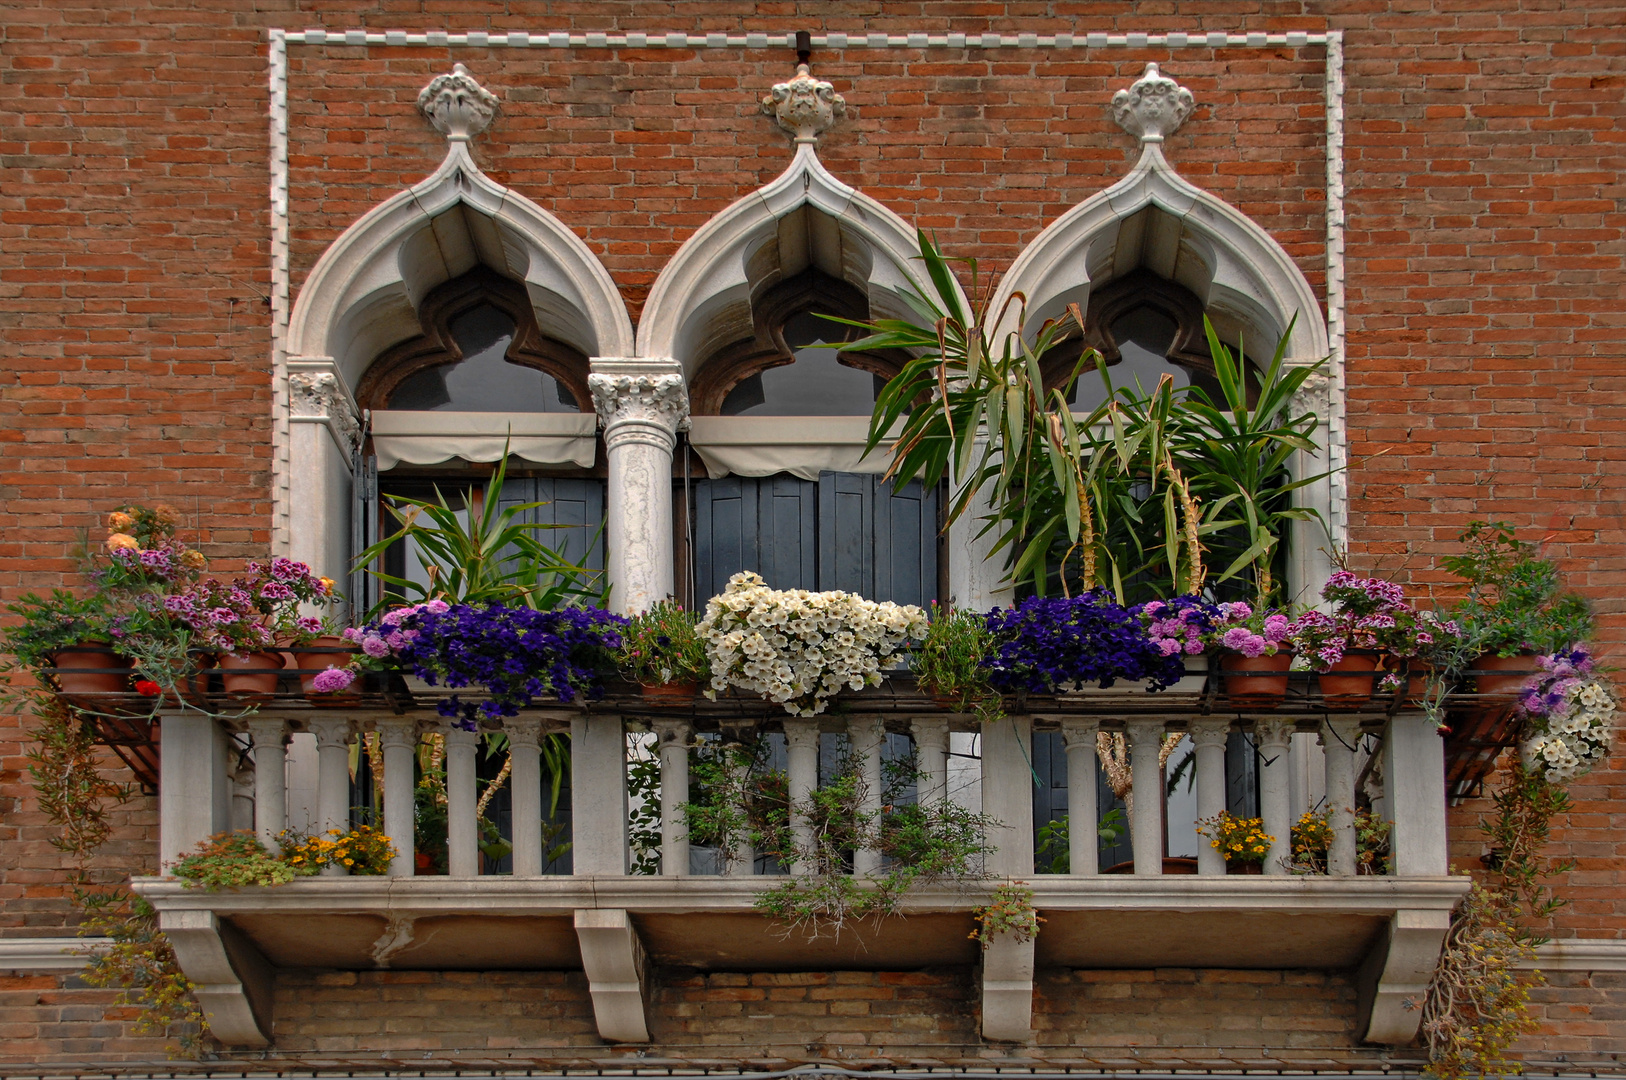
787 532
766 524
846 557
905 544
574 504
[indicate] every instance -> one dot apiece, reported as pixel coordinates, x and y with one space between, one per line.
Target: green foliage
49 624
137 960
661 646
1514 600
1130 496
644 822
71 789
231 861
1053 854
948 663
488 558
1010 911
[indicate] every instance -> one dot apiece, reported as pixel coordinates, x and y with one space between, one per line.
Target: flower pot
1348 683
1246 869
251 677
1173 866
91 675
1418 677
422 863
670 695
1504 676
313 659
1256 682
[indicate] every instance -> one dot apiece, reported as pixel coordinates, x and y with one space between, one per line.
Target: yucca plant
488 558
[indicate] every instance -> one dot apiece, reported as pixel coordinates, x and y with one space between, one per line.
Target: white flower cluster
1576 737
799 648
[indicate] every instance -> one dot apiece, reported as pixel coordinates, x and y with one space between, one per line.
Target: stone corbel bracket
231 980
1391 983
317 394
1007 990
617 973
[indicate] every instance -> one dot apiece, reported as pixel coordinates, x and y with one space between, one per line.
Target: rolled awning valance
803 446
425 438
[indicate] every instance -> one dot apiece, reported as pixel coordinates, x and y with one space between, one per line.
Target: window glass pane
814 384
1144 336
483 381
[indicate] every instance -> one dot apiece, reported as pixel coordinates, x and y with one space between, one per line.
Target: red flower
146 688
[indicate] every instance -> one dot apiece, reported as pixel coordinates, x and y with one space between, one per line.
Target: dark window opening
484 380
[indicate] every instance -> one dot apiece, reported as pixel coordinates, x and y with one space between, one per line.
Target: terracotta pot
1245 869
251 677
1173 865
190 691
313 659
91 675
1348 683
670 695
1418 676
422 863
1256 682
1504 676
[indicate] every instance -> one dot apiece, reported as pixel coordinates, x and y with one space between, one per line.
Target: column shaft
462 826
1146 829
398 739
674 751
1209 735
525 793
1083 800
270 779
868 735
802 777
931 757
1274 739
1338 737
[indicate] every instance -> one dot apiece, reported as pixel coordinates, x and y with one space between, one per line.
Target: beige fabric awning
803 446
425 438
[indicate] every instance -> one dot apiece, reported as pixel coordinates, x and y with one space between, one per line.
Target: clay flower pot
670 695
1348 683
91 675
1256 682
1504 676
1245 869
251 677
1418 676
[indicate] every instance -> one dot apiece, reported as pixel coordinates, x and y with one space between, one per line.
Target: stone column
642 404
673 736
1083 806
1007 795
1414 772
198 805
462 826
1338 736
1208 735
802 778
1146 828
868 735
525 788
1273 738
270 779
931 756
332 779
323 434
598 784
398 740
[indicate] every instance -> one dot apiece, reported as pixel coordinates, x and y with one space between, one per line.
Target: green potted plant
1515 608
949 663
663 653
68 640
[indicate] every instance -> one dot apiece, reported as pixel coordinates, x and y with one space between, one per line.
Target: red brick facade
1486 363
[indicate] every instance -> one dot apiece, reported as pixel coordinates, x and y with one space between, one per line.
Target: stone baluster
672 742
1414 773
931 758
270 779
462 826
1146 829
802 778
1083 799
642 404
1208 735
1338 738
868 735
1274 739
333 736
398 741
525 788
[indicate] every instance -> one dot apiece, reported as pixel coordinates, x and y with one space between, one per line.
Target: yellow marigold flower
118 521
122 542
349 862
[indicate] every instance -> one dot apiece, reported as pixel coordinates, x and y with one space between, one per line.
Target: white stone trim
1337 423
1578 954
48 953
281 473
557 39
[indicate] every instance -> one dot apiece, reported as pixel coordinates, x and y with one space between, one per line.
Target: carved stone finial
1153 107
457 106
806 107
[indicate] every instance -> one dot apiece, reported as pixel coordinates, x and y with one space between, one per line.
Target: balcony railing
613 924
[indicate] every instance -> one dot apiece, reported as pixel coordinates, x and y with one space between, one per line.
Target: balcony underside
710 923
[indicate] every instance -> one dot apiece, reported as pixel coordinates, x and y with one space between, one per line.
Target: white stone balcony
618 926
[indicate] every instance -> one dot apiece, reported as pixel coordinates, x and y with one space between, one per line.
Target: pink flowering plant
1368 614
257 611
1178 626
1240 628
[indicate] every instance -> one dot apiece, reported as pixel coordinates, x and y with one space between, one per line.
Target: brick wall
1484 252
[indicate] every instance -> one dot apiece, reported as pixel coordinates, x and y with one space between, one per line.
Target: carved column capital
316 395
802 734
1146 729
397 734
458 106
1153 106
524 732
331 732
1343 732
671 732
639 400
806 107
1272 734
930 729
266 731
1314 394
1210 731
1079 733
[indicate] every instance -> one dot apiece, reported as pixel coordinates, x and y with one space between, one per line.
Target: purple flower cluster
1241 629
1043 645
516 654
254 611
1368 614
1178 626
1562 673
